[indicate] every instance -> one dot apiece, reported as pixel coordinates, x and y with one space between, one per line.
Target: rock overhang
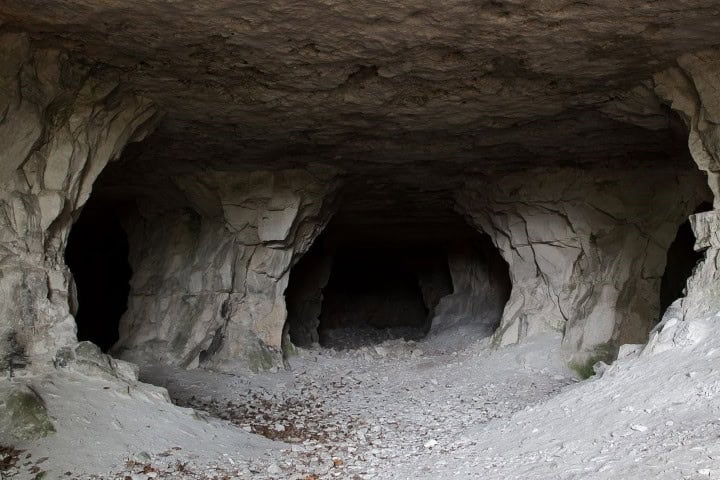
374 86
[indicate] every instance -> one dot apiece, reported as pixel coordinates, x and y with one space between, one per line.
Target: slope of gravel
653 416
401 410
362 413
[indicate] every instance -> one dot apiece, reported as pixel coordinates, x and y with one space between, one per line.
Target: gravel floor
399 410
358 413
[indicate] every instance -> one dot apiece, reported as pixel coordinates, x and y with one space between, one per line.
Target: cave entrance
97 255
681 260
370 278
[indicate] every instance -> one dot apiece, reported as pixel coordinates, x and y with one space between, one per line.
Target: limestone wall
586 249
59 127
480 288
692 89
209 280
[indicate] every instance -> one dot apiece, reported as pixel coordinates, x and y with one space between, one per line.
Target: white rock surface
59 129
210 289
586 251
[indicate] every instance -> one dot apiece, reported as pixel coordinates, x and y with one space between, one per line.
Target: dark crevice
374 287
97 255
681 261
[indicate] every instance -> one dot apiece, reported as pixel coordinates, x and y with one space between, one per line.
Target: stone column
305 295
209 280
586 249
692 89
58 129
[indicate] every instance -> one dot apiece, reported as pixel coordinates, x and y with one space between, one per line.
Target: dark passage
408 272
374 287
681 260
97 254
347 294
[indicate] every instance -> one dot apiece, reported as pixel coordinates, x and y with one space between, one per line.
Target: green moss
604 352
25 416
288 348
583 370
261 359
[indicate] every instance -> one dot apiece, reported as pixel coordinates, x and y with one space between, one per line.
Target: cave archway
681 260
97 255
363 282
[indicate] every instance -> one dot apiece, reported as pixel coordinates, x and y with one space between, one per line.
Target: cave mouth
681 261
369 278
97 255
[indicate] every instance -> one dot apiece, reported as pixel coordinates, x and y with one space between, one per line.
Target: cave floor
401 410
367 411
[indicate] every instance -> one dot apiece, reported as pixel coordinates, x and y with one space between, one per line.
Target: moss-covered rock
584 367
23 415
261 357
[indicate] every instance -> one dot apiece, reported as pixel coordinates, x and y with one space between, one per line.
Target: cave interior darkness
372 274
681 260
379 273
97 254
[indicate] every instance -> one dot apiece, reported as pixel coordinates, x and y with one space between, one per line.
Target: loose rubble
358 337
407 412
358 413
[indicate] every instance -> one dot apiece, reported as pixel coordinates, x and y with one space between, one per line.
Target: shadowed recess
681 260
97 254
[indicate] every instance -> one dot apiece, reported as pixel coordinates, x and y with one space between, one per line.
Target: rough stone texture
23 414
480 288
544 110
209 280
691 89
304 296
58 129
586 250
398 82
703 287
86 358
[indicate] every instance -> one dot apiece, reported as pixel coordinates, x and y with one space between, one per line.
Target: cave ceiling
375 86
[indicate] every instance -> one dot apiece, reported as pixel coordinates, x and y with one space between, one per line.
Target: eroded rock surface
691 89
577 137
60 127
402 82
209 280
540 121
586 250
